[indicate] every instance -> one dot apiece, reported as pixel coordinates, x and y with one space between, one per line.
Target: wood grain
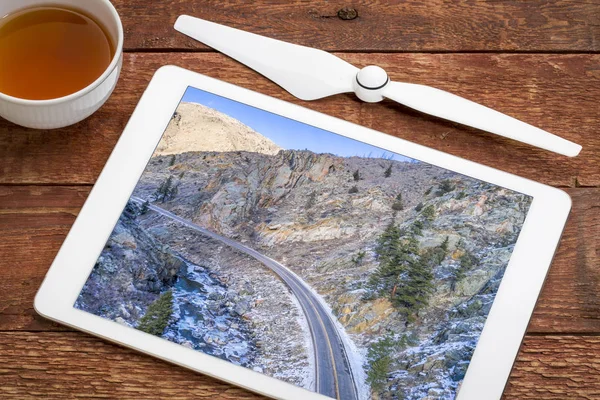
536 60
570 299
390 26
556 92
35 220
556 367
74 365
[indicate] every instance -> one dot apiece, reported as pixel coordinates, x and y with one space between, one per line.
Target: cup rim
111 67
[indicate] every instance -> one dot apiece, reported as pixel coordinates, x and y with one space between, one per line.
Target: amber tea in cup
50 52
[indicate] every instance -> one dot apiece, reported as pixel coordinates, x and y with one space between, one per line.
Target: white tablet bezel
505 326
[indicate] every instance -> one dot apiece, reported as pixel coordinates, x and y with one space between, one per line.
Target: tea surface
49 52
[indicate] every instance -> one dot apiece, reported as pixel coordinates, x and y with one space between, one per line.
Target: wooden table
537 60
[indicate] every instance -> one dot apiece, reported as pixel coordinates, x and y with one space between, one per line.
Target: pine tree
413 292
398 203
378 363
359 257
387 250
380 360
167 190
395 253
417 228
405 273
163 189
429 212
173 192
458 274
467 261
444 245
388 171
388 242
157 315
446 186
145 207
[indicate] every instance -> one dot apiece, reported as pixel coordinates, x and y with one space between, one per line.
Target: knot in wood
347 13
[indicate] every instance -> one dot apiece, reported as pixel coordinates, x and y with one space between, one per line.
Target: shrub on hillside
398 203
429 212
388 171
166 191
445 187
157 315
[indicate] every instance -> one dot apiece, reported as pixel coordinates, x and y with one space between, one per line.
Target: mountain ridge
195 127
324 217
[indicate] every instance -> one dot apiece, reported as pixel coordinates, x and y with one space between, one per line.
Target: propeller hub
370 82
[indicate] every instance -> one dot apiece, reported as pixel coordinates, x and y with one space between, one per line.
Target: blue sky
287 133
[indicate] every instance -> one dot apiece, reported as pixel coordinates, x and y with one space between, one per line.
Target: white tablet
301 256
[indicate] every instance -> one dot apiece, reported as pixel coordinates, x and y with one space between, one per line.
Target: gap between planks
377 51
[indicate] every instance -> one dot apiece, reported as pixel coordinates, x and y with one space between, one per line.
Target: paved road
333 374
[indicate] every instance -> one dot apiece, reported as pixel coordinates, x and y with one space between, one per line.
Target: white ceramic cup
67 110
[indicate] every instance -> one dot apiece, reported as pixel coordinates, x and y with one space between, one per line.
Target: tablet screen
307 256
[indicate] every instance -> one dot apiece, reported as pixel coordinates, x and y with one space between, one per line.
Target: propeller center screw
370 82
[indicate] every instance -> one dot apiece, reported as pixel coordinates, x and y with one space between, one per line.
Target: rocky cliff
250 321
131 272
326 217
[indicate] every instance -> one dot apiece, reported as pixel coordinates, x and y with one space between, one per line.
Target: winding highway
333 372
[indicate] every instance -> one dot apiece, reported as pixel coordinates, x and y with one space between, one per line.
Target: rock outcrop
322 215
276 344
224 304
131 272
195 127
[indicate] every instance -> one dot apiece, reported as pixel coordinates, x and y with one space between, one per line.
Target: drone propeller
311 74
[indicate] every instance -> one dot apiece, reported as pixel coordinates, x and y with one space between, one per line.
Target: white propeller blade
454 108
307 73
311 74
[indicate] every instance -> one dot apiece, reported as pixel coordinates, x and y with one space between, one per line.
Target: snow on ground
356 358
309 373
201 321
260 302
